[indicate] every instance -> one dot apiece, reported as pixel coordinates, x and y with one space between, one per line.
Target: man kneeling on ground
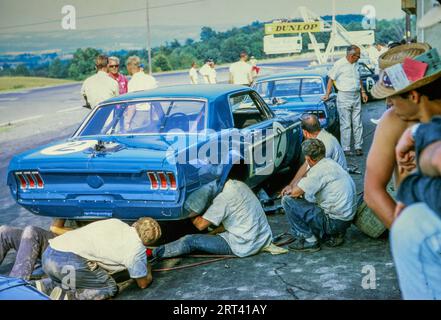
327 208
81 261
239 211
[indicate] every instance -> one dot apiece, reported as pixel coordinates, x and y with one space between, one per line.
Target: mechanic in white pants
347 80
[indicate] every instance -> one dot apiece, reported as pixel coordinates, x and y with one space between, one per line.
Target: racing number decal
280 143
69 147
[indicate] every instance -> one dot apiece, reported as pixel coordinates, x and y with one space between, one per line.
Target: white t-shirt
113 244
346 75
193 76
241 72
334 150
208 74
99 87
246 228
331 187
141 81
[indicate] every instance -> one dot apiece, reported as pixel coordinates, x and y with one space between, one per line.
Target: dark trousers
307 219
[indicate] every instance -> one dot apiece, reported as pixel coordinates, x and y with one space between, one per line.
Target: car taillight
40 182
30 180
153 180
21 178
162 180
172 180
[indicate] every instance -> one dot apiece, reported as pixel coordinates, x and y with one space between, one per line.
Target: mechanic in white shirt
328 204
241 71
208 72
312 130
100 86
193 73
347 79
243 229
140 81
95 252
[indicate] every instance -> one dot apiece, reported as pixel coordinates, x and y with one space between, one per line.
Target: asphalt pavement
332 273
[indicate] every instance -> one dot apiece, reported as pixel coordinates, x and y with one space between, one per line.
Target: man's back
333 148
240 212
241 72
331 187
141 81
99 87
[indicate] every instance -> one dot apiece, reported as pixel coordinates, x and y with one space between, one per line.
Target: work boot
335 241
301 245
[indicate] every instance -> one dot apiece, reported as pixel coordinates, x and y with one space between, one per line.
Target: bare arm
201 223
430 160
58 227
328 89
144 282
380 166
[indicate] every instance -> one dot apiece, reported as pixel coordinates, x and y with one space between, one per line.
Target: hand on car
325 97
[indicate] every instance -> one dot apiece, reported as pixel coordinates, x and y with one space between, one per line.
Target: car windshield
147 117
290 87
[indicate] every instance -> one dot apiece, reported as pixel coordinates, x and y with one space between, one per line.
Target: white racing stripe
69 109
20 120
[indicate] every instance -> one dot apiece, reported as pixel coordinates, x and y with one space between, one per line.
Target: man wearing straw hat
389 130
413 88
347 79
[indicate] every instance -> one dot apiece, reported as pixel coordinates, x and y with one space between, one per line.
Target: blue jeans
29 243
213 244
71 272
416 248
307 219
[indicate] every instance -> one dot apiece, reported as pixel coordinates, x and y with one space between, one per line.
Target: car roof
198 91
319 72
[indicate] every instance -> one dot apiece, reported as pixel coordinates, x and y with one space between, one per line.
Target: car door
264 138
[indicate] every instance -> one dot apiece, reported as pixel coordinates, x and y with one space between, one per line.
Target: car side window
287 87
364 70
246 111
311 86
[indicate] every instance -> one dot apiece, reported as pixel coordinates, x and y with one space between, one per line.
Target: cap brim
433 16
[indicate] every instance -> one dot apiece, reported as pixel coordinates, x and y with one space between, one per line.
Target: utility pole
149 40
408 33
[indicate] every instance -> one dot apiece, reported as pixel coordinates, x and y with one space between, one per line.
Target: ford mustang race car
163 153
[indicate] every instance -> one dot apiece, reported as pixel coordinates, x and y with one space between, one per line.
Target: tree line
223 47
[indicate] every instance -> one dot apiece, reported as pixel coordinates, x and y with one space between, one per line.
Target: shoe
375 121
358 152
335 241
301 245
349 153
39 285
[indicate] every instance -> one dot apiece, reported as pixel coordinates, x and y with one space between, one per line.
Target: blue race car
163 153
301 91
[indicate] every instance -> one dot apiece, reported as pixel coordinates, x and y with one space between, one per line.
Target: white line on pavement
68 109
20 120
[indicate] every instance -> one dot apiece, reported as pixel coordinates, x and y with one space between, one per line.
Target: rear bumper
120 209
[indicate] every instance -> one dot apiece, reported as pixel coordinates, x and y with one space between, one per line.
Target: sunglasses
114 66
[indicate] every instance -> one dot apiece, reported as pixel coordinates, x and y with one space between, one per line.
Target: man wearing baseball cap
413 88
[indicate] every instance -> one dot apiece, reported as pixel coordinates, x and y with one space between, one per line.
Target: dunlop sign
293 27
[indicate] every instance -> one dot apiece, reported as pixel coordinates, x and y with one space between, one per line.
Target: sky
196 12
37 25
